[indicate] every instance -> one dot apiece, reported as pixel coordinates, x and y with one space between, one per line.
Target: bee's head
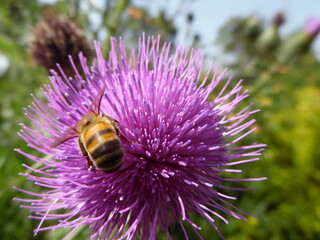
86 121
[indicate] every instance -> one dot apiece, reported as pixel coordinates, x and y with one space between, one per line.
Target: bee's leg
85 154
123 137
89 163
115 123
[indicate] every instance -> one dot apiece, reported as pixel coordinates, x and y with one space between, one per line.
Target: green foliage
16 84
290 126
288 93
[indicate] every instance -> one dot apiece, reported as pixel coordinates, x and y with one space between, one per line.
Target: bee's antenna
95 106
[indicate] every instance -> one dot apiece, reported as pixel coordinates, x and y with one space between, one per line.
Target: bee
98 138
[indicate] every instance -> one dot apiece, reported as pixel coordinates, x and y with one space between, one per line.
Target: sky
210 15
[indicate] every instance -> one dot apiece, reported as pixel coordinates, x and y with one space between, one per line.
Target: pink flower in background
176 143
312 26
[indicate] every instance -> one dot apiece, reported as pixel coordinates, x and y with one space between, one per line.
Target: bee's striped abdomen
108 156
103 147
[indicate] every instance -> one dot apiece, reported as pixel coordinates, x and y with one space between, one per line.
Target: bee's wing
69 134
95 106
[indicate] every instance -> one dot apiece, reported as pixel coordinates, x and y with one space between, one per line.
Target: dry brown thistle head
55 38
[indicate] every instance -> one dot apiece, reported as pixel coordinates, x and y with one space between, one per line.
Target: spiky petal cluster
178 144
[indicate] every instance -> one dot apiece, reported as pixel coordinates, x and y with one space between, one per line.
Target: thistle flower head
177 144
312 26
54 39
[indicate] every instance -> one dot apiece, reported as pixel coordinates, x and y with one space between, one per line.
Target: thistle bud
300 42
312 27
269 40
278 19
252 27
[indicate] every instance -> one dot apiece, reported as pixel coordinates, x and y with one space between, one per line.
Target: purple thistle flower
312 26
178 144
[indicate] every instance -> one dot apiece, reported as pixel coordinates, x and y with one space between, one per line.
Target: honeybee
98 137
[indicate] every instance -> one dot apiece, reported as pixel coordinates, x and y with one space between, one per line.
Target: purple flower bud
176 144
312 26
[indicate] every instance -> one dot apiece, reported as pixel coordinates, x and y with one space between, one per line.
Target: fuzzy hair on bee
98 138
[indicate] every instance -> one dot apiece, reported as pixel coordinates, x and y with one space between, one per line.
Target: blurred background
272 45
